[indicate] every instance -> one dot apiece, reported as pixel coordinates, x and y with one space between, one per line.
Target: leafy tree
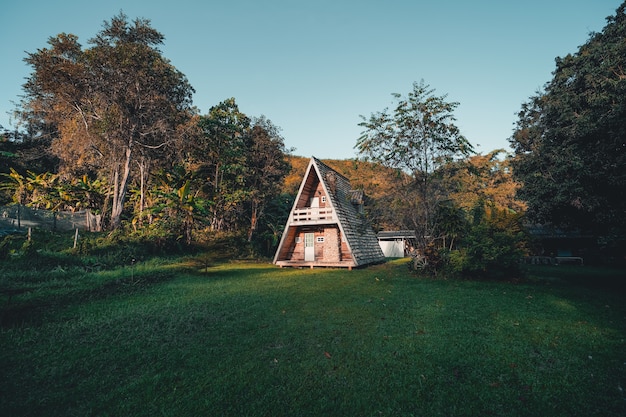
266 169
271 225
570 140
485 177
418 138
491 246
47 191
23 154
111 105
221 153
178 203
451 224
86 193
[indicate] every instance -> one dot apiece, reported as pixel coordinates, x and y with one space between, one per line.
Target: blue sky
313 67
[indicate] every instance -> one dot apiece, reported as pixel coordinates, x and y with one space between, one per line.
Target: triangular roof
345 204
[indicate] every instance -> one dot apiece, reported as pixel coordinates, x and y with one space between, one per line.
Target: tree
113 105
485 177
177 201
451 223
221 153
570 139
492 243
266 169
418 138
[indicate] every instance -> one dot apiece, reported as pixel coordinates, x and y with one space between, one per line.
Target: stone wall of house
332 245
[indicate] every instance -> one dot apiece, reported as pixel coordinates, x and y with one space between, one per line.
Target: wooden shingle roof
347 203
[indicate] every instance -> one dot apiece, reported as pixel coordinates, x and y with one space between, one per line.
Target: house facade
326 226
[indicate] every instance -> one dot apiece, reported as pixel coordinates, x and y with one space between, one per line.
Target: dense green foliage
489 246
570 141
118 119
485 242
441 185
109 108
190 337
418 139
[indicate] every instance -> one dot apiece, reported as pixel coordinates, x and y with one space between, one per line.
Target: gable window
323 199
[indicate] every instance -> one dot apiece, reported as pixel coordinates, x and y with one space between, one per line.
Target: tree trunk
254 219
142 189
142 172
121 186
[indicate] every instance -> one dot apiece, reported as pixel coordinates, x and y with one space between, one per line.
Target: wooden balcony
312 215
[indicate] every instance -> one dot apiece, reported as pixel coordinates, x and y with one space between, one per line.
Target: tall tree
112 104
418 138
266 169
570 140
221 152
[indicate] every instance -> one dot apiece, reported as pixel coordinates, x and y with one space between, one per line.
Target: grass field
247 339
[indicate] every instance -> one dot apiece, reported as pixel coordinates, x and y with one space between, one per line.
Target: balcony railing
312 214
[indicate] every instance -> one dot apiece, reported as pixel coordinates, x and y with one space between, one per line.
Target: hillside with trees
111 128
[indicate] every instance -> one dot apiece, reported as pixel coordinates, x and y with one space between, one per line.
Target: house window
323 199
320 239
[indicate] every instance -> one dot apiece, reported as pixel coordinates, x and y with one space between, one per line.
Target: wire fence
17 216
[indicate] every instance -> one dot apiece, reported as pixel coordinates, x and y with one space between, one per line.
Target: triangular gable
360 239
333 184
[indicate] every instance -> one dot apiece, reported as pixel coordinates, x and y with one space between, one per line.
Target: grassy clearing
246 339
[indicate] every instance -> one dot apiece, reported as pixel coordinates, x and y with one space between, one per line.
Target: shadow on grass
37 281
30 305
589 277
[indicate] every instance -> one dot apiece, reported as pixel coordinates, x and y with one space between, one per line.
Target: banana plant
178 202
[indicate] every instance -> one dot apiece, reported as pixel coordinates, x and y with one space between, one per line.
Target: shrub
492 247
482 243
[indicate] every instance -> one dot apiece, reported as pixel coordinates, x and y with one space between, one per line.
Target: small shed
396 244
326 226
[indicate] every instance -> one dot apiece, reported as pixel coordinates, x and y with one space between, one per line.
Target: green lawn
241 339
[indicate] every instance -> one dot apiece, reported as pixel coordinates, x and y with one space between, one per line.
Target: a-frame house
326 226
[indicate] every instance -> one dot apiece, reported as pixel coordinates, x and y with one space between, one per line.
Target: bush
483 243
487 251
493 245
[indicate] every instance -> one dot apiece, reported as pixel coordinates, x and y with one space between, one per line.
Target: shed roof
397 234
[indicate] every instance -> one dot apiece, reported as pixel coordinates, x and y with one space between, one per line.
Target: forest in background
112 128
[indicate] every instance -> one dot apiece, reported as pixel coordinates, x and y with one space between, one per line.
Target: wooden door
309 247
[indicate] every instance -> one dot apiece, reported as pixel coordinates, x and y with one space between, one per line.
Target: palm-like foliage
16 185
178 203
